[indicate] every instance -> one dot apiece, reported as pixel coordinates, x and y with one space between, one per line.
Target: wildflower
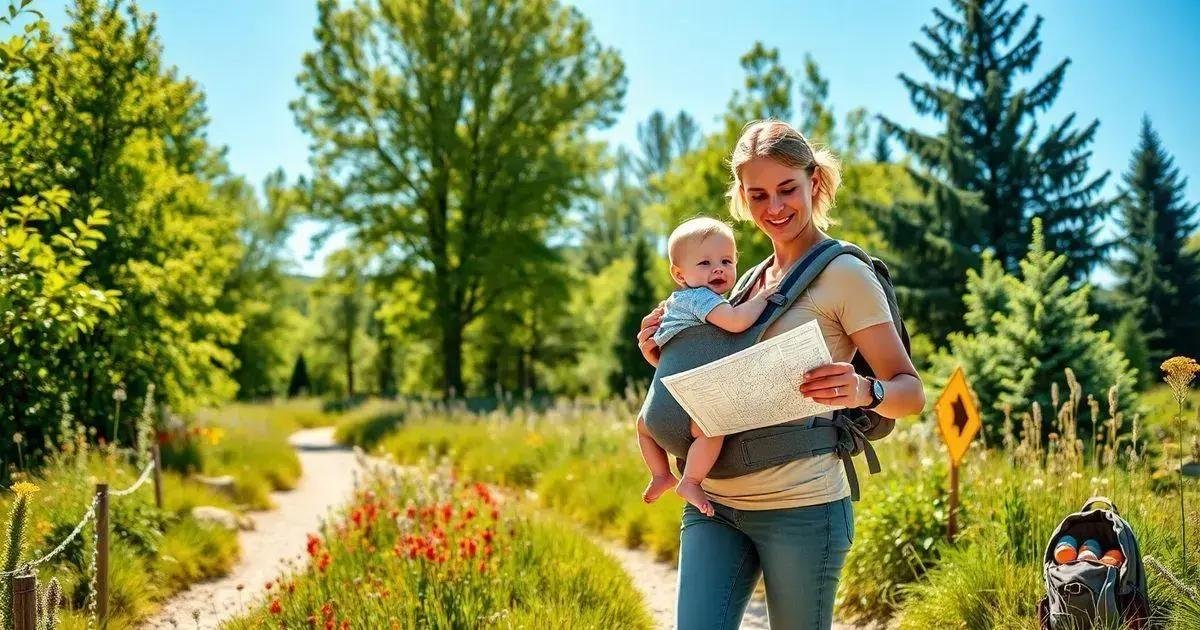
18 438
276 607
1180 372
24 489
324 561
268 585
314 544
926 462
119 394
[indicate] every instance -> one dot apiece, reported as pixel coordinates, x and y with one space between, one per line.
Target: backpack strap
1102 501
796 282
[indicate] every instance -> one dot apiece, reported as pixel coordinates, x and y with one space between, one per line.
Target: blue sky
1128 59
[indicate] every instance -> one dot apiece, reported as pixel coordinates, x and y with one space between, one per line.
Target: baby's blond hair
693 232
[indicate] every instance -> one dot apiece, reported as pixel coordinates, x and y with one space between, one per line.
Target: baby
704 266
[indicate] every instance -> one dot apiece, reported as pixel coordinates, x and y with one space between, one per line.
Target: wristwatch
875 387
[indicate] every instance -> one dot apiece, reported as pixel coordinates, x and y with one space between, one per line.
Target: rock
222 484
216 516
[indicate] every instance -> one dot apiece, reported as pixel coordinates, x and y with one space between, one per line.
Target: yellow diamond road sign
957 416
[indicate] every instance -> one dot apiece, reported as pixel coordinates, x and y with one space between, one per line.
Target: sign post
959 421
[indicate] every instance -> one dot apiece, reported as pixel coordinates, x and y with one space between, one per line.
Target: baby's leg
702 454
656 460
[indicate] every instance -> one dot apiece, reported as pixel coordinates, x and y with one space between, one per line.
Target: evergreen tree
632 369
1024 331
990 145
1159 276
298 385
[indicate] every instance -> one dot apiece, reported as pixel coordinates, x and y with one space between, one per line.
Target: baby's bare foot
658 485
694 494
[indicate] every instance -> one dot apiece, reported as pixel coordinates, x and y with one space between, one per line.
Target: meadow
580 461
418 550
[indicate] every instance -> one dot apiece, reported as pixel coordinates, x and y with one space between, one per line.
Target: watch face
877 390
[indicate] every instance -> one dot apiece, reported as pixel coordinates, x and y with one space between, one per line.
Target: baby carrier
1088 592
847 434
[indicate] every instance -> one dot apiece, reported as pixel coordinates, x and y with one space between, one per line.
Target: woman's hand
645 341
836 385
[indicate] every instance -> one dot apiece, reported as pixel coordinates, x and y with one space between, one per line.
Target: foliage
257 289
47 239
897 539
1023 333
443 179
441 553
1159 278
631 369
991 167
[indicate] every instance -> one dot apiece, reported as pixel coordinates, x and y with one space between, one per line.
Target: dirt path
277 539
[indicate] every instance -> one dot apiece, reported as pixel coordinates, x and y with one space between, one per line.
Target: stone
223 484
216 516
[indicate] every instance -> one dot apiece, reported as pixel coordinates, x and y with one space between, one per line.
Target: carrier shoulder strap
804 273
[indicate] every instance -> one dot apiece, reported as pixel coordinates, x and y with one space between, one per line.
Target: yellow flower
1180 372
24 488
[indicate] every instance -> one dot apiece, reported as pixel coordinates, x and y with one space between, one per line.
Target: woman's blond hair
785 145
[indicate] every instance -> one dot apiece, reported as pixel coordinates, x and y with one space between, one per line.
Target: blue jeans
798 551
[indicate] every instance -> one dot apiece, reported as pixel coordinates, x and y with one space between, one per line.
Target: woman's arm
839 385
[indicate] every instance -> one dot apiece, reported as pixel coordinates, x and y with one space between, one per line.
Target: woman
792 523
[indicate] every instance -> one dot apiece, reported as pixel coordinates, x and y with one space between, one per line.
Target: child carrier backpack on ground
1103 583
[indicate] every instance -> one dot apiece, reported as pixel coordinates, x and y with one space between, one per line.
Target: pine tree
632 368
1159 276
989 146
1023 336
298 385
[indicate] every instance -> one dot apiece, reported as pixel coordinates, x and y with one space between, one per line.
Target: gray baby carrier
847 434
1087 593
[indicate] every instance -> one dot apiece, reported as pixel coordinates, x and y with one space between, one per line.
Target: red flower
276 607
482 566
411 512
495 514
487 536
323 562
447 512
314 544
268 585
469 514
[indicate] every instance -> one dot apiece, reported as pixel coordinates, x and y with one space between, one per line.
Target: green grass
422 551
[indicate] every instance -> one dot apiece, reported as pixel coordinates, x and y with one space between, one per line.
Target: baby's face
711 262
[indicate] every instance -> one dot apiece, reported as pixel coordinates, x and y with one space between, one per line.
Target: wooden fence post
158 501
24 602
102 553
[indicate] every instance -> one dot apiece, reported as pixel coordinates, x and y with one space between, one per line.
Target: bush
898 535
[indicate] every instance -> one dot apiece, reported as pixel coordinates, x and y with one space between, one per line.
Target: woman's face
779 198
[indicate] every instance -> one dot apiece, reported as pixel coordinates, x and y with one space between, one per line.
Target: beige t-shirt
844 299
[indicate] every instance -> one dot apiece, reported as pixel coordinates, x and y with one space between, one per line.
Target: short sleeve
857 297
699 302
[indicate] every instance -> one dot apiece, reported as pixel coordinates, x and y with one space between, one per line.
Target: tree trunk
452 384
